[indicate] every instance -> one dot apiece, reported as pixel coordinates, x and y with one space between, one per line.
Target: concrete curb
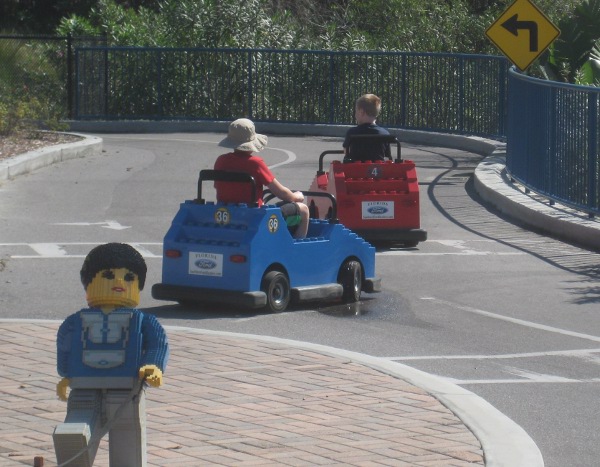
504 442
494 187
24 163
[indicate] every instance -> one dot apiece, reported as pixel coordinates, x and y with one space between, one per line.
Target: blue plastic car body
243 254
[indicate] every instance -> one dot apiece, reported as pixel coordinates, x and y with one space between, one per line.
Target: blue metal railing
553 140
457 93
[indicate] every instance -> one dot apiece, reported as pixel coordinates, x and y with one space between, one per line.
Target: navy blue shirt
366 150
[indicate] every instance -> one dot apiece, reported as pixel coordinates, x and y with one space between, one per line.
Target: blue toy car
244 255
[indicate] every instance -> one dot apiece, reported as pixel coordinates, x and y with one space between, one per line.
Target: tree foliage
415 25
575 56
387 25
43 16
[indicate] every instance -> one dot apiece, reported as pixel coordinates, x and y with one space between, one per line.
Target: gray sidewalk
240 400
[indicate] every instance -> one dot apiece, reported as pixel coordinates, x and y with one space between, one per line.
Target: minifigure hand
61 388
151 374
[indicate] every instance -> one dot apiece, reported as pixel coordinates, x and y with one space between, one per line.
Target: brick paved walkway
241 402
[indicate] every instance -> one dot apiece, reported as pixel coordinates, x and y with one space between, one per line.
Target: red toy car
377 200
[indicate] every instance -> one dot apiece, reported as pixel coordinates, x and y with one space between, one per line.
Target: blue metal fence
553 140
455 93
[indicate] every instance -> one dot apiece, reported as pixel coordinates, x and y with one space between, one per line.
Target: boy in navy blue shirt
366 111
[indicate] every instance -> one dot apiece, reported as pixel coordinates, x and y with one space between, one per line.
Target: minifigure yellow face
114 288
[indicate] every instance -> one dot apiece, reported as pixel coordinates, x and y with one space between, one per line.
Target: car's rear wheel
350 276
277 287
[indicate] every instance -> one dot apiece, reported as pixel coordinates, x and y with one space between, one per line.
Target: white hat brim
257 144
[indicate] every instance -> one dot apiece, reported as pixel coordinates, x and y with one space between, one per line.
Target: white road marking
144 251
291 156
538 377
520 322
585 353
458 244
524 376
114 225
551 379
47 250
60 250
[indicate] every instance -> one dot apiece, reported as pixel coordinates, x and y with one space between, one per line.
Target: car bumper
392 235
258 299
180 293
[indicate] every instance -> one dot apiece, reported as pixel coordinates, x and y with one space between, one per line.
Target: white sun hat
242 136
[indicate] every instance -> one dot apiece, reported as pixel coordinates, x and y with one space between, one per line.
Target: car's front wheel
277 287
350 276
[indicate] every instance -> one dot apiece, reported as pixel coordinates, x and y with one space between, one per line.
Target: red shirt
232 192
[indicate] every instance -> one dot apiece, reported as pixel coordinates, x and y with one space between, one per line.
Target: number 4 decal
374 172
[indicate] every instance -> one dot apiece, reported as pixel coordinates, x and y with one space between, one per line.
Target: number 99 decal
273 224
222 216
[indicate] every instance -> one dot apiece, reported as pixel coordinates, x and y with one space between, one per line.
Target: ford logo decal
206 264
378 210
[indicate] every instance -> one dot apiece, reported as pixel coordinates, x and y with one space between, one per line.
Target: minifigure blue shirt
93 344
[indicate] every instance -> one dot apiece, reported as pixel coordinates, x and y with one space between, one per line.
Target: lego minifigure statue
106 354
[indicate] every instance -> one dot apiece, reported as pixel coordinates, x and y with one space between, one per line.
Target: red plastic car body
378 200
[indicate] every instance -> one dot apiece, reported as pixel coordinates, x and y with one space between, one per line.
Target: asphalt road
502 311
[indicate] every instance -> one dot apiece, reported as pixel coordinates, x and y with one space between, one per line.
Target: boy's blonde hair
370 104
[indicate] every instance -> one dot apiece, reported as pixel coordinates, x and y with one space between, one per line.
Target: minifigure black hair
113 256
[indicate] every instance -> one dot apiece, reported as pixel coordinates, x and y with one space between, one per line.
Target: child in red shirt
244 140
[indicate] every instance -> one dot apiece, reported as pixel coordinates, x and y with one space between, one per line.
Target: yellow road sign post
522 33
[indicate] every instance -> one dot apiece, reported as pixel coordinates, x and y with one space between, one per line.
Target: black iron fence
456 93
